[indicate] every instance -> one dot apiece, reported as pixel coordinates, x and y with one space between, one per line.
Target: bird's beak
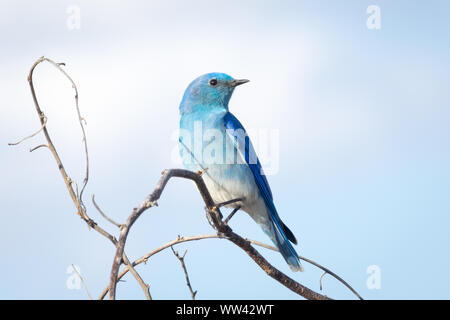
238 82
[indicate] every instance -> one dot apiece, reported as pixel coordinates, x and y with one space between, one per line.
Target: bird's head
211 90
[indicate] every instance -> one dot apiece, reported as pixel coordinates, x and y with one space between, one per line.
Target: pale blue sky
363 117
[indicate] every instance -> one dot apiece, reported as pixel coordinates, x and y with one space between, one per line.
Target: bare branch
326 270
31 135
145 287
80 121
221 228
183 265
43 119
320 280
118 225
180 239
39 146
145 258
76 198
82 281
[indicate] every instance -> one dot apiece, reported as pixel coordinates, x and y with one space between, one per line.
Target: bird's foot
221 204
213 213
227 219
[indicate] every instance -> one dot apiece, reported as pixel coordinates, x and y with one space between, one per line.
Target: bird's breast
229 182
206 146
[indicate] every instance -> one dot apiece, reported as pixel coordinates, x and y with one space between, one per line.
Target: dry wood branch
118 225
38 147
144 286
75 196
30 136
183 265
220 227
180 239
325 270
146 257
82 281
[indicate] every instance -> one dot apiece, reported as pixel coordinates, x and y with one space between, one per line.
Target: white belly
229 182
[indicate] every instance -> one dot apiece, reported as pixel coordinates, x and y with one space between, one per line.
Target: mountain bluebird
213 141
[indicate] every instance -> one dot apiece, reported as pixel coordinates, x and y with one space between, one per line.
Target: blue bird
212 140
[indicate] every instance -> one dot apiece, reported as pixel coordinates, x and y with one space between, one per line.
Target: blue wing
282 234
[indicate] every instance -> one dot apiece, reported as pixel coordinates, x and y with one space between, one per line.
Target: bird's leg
219 205
231 214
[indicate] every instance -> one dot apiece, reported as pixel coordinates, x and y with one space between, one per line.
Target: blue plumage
213 139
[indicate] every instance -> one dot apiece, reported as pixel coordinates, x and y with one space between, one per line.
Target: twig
44 123
80 121
150 201
118 225
320 280
183 265
179 240
82 281
77 201
145 258
145 287
326 270
39 146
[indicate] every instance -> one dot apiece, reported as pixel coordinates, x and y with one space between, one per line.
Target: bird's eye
213 82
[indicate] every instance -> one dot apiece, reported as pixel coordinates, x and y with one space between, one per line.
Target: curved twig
145 287
145 258
118 225
31 135
82 281
325 270
80 121
38 147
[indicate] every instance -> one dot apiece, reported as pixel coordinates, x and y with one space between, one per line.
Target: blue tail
282 243
277 233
